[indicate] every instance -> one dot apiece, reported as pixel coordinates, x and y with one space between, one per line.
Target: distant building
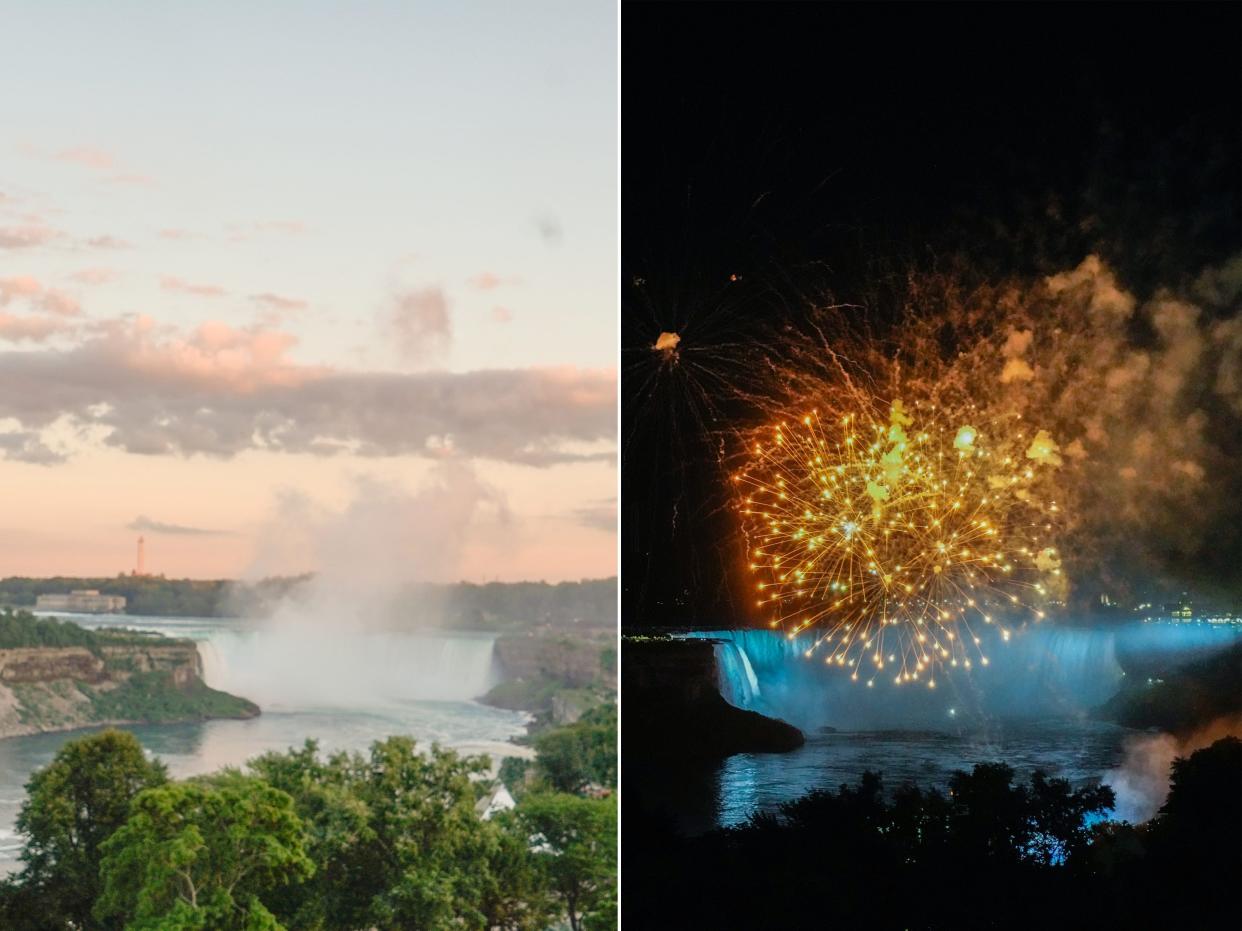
1182 611
496 800
82 601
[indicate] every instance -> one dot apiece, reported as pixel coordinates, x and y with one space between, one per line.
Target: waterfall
283 668
1042 671
308 662
735 676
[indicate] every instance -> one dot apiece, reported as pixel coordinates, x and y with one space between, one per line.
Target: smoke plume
1142 780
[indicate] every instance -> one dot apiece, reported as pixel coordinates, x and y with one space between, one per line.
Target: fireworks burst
901 537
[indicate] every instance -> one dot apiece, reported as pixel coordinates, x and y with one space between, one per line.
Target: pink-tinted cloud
49 300
502 314
173 233
25 237
292 227
215 354
58 302
169 283
221 390
419 323
17 329
132 177
278 302
108 242
101 161
489 281
21 286
94 276
95 159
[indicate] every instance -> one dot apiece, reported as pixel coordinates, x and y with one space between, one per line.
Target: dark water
748 782
316 687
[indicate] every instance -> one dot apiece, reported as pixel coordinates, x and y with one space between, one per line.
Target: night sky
776 156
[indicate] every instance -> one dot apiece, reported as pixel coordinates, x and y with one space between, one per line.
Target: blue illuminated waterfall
1043 671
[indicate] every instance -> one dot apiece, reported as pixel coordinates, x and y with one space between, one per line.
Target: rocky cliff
673 707
60 688
554 675
576 662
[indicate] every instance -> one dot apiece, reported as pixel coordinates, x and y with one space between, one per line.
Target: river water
1029 707
345 692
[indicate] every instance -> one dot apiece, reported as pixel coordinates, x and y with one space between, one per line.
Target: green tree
399 845
200 857
577 838
572 757
72 806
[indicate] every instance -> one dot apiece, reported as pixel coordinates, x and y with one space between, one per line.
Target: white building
82 601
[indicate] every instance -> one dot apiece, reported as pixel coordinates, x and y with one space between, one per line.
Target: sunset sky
274 280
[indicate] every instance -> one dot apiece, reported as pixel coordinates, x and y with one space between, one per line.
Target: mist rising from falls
318 668
1043 671
351 637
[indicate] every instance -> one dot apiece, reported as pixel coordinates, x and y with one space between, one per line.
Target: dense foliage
388 840
581 754
989 854
194 856
155 698
72 806
22 629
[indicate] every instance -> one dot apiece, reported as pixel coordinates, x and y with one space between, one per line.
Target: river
345 692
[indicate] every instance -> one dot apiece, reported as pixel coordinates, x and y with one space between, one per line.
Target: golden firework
899 537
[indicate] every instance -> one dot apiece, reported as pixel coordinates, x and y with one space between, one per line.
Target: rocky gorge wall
61 688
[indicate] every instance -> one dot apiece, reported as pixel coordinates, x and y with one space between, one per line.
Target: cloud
489 281
502 314
549 228
17 329
602 515
108 242
27 446
291 227
32 292
94 276
239 232
419 323
278 302
95 159
101 161
22 286
169 283
219 391
25 237
147 525
176 234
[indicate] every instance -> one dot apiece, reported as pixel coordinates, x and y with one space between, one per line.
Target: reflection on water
202 747
750 782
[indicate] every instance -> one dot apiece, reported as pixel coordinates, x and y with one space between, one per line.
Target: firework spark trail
897 536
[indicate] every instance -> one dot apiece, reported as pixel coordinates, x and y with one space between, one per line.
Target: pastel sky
268 268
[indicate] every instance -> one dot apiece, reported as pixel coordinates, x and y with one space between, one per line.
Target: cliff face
674 708
60 688
575 663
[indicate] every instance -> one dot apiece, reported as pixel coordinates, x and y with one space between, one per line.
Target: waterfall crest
1043 671
285 669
